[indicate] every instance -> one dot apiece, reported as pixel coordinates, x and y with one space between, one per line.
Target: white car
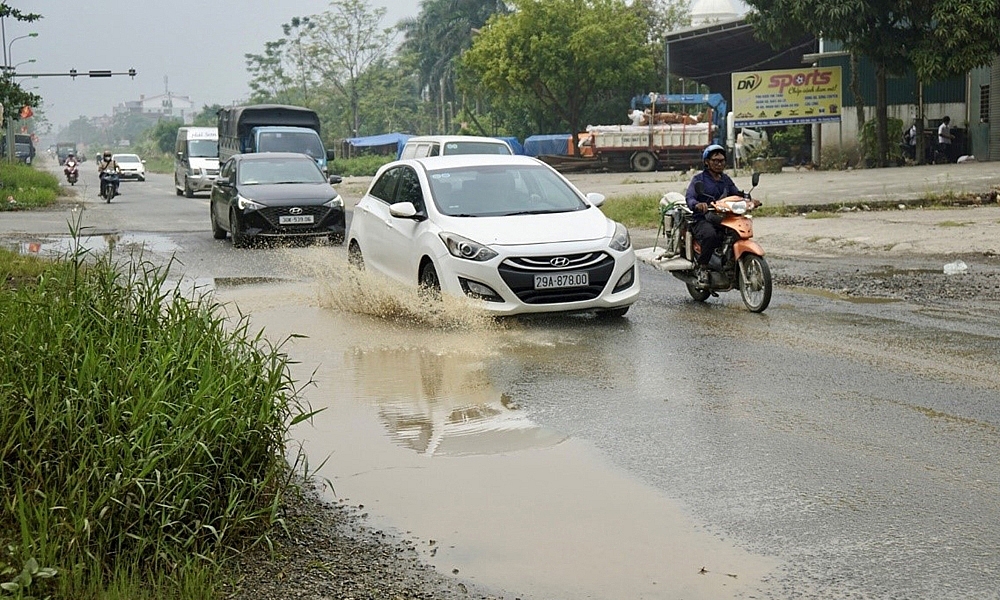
508 231
131 165
446 145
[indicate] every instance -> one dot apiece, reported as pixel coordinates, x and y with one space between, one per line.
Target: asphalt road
824 449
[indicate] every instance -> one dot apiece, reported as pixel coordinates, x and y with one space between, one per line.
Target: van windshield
203 148
284 141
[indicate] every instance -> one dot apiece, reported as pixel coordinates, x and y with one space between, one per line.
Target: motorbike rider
107 164
70 162
706 227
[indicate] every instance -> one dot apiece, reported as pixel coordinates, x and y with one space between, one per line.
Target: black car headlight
248 204
461 247
621 240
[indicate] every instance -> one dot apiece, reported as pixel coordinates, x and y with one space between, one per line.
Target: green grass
159 163
142 434
952 224
822 215
361 166
23 187
634 211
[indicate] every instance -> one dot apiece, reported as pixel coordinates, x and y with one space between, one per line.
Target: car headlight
196 172
621 240
247 204
461 247
335 202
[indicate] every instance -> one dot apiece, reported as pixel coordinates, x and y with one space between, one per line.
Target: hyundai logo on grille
295 210
559 261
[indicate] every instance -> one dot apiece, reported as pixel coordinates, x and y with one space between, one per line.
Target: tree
560 55
936 38
435 40
208 117
12 96
341 43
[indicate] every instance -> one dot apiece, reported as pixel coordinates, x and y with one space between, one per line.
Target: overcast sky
198 45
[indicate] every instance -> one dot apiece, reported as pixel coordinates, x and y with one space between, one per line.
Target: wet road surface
825 449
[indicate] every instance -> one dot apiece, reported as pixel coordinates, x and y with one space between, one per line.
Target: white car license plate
561 280
295 220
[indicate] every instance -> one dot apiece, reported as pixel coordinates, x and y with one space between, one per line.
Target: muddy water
421 428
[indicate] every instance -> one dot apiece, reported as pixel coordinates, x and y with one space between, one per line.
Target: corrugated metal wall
899 90
995 110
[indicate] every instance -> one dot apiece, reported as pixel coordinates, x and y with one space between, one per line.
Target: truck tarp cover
243 118
553 144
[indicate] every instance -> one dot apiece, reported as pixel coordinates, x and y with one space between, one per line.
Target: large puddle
423 428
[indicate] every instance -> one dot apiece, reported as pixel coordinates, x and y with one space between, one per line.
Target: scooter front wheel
755 282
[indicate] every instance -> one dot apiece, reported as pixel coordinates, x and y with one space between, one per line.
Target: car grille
519 275
212 172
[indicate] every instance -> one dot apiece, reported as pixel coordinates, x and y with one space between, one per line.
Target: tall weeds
139 432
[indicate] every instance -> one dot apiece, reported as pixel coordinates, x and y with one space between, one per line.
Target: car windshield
475 148
498 191
203 148
279 170
284 141
126 158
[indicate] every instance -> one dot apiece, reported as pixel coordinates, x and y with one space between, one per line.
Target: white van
196 160
443 145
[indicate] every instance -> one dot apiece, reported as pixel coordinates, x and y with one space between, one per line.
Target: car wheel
354 257
430 285
613 313
188 192
217 232
240 239
142 179
177 188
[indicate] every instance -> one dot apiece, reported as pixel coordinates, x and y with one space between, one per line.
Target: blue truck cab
270 128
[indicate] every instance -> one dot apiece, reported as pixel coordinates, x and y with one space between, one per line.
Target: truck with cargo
270 128
659 138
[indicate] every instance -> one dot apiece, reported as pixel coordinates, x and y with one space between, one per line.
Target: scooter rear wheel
699 294
755 282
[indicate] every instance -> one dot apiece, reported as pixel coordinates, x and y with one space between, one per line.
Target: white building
164 105
706 12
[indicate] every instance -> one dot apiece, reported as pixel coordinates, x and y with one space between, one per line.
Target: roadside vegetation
142 434
23 187
359 166
642 211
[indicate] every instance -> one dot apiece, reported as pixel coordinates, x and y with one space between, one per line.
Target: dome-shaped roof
711 11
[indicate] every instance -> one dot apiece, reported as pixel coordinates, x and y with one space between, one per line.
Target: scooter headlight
621 240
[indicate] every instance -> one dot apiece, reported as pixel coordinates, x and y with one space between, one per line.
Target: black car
275 194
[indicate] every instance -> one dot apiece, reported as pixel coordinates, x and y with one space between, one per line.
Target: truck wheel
643 162
177 187
188 192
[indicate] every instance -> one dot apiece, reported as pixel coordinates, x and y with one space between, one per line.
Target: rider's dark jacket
714 190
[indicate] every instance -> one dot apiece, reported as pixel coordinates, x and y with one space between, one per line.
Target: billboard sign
787 97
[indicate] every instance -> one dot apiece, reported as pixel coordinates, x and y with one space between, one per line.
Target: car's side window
435 150
385 188
227 170
409 151
409 189
422 150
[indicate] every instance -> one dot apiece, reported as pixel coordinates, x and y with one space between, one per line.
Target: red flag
26 112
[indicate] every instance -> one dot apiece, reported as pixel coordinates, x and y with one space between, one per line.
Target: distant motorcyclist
108 165
706 227
70 163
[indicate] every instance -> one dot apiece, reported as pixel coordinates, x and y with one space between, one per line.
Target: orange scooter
739 262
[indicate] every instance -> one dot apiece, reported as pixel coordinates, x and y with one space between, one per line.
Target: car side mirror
404 210
335 179
143 162
180 155
699 188
755 179
330 155
595 199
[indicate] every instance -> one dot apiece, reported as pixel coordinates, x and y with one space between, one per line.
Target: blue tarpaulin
385 139
514 143
553 144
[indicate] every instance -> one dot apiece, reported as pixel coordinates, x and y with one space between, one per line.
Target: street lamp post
9 57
